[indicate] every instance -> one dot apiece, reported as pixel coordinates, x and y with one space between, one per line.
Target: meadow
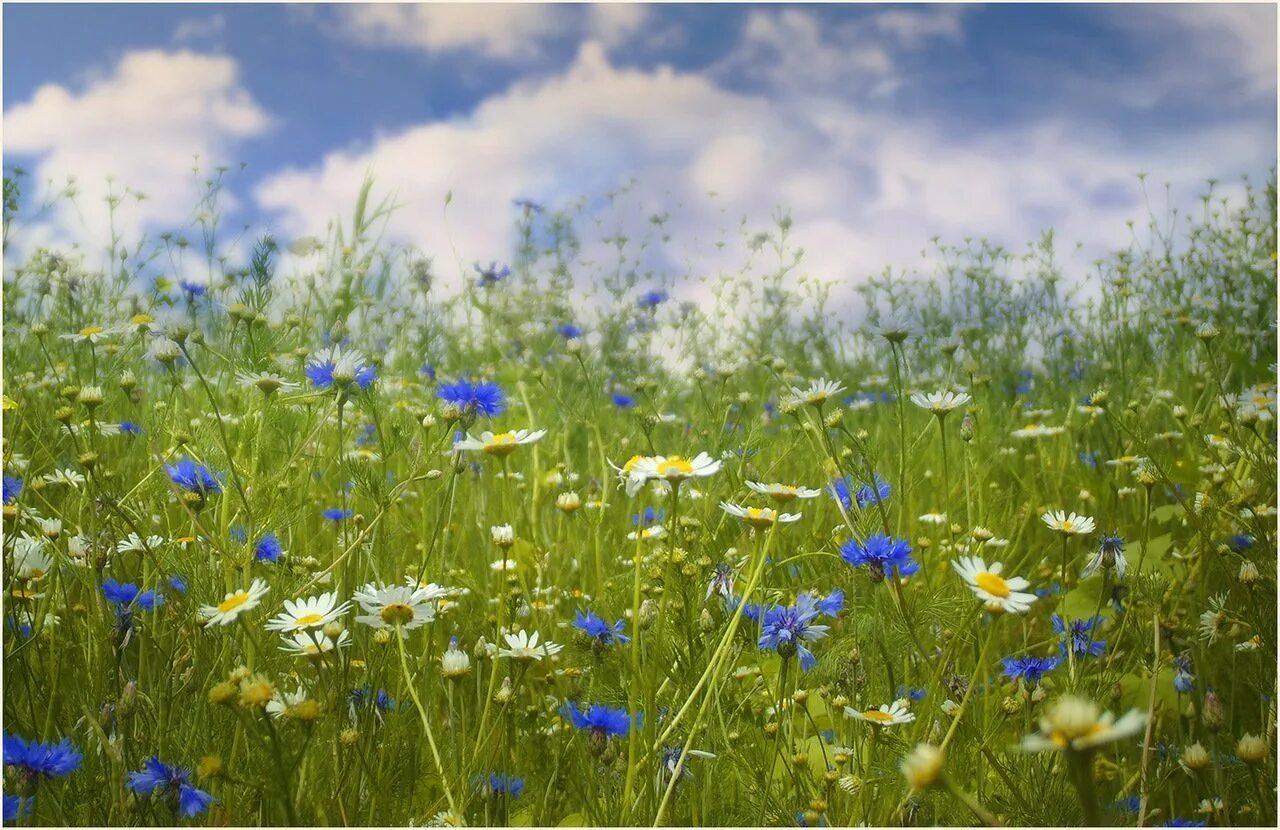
330 544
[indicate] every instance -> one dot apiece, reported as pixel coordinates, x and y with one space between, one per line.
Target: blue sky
877 126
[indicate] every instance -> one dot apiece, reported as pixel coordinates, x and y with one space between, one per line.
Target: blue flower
34 758
623 401
832 603
336 514
471 397
601 720
178 584
14 807
238 534
600 631
1184 822
652 299
786 629
193 477
1030 670
648 517
500 783
1080 635
848 492
881 555
126 595
268 548
130 428
568 331
492 274
12 489
194 289
914 694
1183 673
1241 542
174 783
323 371
1089 459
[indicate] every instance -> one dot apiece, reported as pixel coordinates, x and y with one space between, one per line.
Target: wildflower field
312 540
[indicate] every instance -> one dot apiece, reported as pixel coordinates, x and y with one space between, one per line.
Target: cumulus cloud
142 124
506 31
865 188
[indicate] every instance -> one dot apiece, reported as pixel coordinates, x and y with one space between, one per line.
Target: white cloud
613 23
199 28
140 124
506 31
865 189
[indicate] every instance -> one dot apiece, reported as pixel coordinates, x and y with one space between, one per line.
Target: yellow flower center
308 619
396 613
675 467
631 463
233 602
1067 526
89 331
503 443
877 715
782 493
992 583
759 517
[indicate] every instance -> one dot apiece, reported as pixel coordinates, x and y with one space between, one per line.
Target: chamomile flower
647 534
758 517
235 603
783 493
889 714
1037 431
268 383
313 643
296 704
29 558
395 606
1068 524
940 403
499 444
997 592
523 646
1076 724
308 612
816 393
677 468
634 473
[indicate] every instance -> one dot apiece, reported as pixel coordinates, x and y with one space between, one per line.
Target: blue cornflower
1127 805
500 783
491 274
34 759
648 517
130 428
194 289
1241 542
881 555
177 584
193 477
1183 673
1080 635
12 489
601 633
602 721
471 397
335 367
238 534
848 492
1184 822
913 694
126 595
568 331
1089 459
623 401
15 808
268 548
173 783
786 629
336 514
652 299
832 603
1030 670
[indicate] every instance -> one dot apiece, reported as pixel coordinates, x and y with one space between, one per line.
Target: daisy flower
677 468
295 703
889 714
522 646
816 393
760 517
308 612
783 493
268 383
647 534
940 403
499 444
634 473
1073 723
999 594
29 559
313 643
235 603
1037 431
1068 524
404 606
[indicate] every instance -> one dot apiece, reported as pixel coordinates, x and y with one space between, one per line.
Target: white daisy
522 646
135 543
395 605
313 643
283 702
783 493
760 517
1077 724
235 603
647 534
1068 525
308 612
266 382
1037 431
889 714
940 403
816 393
29 559
499 444
676 468
999 593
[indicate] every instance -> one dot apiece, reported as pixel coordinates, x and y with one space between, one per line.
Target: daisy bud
1249 574
800 760
922 767
334 630
505 691
349 736
503 536
128 380
223 693
648 613
256 692
210 767
706 621
1211 714
1251 749
1206 332
1195 757
801 696
382 636
966 428
1011 705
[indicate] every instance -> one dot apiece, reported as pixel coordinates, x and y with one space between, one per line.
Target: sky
876 127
